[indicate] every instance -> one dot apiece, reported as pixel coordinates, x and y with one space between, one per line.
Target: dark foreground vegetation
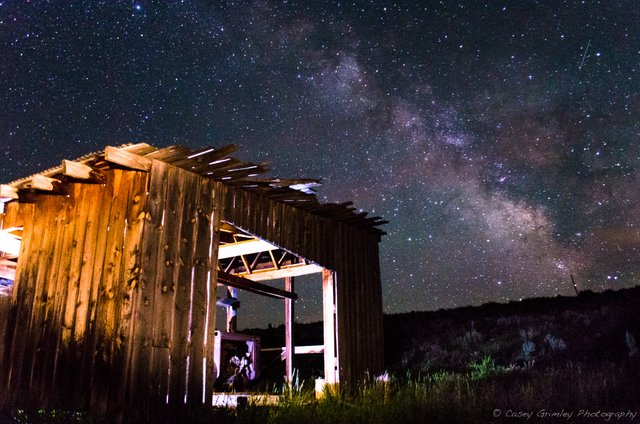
540 360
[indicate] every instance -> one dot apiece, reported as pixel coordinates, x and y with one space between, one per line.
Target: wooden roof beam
294 270
240 172
253 287
8 192
289 195
76 170
139 148
200 160
169 154
219 167
40 182
127 159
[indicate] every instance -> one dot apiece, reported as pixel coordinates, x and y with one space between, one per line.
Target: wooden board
142 386
202 308
180 336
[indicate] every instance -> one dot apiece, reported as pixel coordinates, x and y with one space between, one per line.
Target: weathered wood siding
350 252
171 360
114 301
71 310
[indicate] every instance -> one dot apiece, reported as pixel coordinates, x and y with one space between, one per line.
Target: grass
441 397
457 397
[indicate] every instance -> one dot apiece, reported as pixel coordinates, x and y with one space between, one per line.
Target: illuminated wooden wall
171 358
114 300
73 295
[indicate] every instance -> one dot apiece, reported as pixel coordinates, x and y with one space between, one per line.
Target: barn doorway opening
268 278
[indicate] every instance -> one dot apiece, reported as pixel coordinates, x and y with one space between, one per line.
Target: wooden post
329 324
289 319
232 311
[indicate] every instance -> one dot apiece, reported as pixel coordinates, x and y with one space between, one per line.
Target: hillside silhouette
588 328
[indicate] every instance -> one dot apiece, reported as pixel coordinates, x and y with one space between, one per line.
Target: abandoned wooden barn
116 257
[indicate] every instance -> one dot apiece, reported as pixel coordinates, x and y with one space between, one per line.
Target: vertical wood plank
143 386
201 376
128 276
215 224
289 321
164 307
329 327
183 281
93 196
65 368
96 270
22 301
83 354
108 355
45 319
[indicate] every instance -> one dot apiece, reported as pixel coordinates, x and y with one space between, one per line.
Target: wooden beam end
127 159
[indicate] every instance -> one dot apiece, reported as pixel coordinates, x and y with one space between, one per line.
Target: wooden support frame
241 248
273 259
298 350
289 320
253 287
232 309
331 363
285 271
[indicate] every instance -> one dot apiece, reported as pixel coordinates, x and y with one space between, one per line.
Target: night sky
500 139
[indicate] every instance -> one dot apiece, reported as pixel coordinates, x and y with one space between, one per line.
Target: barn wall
172 358
114 300
349 251
71 307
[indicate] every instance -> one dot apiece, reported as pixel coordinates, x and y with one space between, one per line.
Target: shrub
555 343
484 368
528 348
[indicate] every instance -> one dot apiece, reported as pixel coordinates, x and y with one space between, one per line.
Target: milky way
501 139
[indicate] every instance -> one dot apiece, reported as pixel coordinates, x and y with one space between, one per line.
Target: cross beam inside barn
116 257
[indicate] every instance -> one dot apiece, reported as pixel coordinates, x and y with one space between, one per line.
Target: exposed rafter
294 270
8 192
127 159
248 247
40 182
211 162
76 170
253 287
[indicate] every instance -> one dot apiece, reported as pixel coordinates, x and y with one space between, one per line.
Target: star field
501 139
